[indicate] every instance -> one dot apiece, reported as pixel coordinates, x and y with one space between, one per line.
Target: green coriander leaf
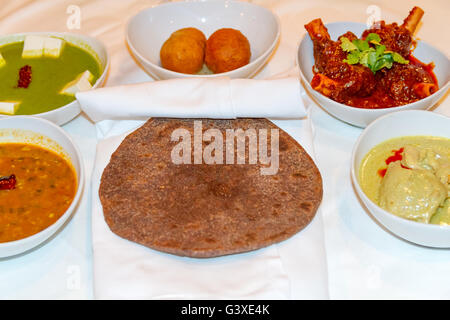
374 42
396 57
346 45
382 63
353 57
373 37
380 49
379 65
362 45
364 58
387 57
371 59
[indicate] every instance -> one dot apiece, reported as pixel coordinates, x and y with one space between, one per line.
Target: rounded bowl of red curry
361 110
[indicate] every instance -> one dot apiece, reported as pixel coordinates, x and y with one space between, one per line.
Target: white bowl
358 116
66 113
31 129
148 30
399 124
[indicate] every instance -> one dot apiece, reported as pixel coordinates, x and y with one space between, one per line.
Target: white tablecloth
364 260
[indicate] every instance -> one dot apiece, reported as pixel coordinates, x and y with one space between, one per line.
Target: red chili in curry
397 156
8 183
24 77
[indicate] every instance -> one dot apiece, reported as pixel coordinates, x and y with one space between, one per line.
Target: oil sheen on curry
374 71
37 186
410 177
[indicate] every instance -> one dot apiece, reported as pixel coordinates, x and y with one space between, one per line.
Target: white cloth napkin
217 98
443 109
126 270
292 269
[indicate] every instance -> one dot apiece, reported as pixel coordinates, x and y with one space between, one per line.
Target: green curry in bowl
43 73
410 177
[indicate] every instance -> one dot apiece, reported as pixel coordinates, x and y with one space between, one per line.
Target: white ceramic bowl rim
224 74
75 200
362 193
364 110
73 35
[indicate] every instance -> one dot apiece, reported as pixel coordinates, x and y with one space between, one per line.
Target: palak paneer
41 74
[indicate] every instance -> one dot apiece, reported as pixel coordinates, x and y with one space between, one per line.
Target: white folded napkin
292 269
443 109
216 98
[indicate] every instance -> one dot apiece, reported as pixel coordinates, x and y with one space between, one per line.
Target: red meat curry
376 71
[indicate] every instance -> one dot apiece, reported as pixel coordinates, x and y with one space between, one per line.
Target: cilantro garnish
374 57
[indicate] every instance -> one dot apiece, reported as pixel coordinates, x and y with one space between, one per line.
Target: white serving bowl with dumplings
149 29
389 126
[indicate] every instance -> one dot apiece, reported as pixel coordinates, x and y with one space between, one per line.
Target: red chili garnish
8 183
396 157
24 77
382 172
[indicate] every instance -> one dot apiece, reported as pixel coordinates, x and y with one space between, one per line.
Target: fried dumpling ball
184 51
191 32
227 49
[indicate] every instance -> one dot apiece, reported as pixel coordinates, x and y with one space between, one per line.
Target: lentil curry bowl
37 186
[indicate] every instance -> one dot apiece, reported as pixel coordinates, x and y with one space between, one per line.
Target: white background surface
364 260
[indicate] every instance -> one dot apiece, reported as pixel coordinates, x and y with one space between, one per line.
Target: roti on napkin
158 193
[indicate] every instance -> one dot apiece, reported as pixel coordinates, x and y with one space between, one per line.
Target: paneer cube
87 75
81 83
9 107
2 61
33 46
53 47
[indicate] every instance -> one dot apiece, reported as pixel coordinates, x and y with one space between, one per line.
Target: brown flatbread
206 210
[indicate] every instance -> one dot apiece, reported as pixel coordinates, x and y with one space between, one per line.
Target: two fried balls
187 50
